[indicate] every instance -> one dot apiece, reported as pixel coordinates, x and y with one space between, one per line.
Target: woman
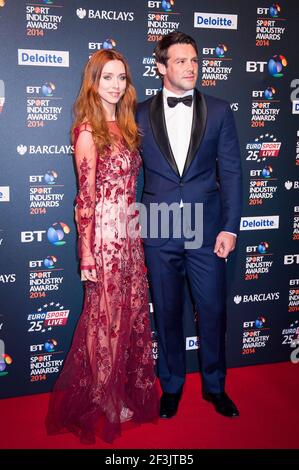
108 377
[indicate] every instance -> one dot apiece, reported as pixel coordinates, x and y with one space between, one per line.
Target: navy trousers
168 265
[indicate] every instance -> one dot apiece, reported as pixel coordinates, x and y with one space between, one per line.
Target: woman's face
112 84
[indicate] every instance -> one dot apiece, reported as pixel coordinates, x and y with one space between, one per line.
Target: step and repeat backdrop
248 56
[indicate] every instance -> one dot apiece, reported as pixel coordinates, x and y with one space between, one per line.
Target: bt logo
167 6
220 50
266 172
276 65
273 11
48 262
291 259
108 44
261 248
151 91
5 359
31 236
252 66
47 89
258 323
49 177
55 234
269 93
48 346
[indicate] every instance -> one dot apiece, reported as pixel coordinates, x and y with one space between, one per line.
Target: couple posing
189 147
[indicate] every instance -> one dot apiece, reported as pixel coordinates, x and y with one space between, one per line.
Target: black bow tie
172 101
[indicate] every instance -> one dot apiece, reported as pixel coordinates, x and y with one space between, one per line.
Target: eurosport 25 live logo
47 317
263 147
290 337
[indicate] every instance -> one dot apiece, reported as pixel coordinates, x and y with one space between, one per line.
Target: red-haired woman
108 377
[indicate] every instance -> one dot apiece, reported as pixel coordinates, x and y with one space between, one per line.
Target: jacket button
181 185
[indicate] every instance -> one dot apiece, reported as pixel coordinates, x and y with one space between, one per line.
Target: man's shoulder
214 102
141 106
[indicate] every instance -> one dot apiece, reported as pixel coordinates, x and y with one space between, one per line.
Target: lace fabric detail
108 376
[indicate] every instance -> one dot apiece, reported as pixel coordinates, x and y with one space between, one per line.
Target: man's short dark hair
176 37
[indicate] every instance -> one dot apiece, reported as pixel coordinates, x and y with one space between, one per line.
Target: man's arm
230 173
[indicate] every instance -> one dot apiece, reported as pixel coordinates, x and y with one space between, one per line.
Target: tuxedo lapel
198 127
159 129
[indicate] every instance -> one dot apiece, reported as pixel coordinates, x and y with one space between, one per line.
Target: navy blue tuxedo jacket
212 174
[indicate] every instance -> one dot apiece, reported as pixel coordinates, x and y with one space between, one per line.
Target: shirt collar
167 93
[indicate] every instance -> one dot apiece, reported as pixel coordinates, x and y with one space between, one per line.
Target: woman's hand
88 268
89 275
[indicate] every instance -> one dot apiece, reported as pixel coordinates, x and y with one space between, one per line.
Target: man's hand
225 243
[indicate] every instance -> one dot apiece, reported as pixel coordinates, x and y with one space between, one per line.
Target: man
191 157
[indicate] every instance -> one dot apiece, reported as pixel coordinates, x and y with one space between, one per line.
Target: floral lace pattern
108 376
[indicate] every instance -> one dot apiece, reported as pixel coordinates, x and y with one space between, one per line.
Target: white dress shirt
179 124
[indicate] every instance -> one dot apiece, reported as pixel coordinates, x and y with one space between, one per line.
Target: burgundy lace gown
108 376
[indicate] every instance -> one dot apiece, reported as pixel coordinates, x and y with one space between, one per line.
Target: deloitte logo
260 222
215 21
43 58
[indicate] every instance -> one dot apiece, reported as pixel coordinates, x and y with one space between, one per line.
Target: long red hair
88 105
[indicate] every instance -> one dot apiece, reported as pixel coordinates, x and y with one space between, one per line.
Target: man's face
180 73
